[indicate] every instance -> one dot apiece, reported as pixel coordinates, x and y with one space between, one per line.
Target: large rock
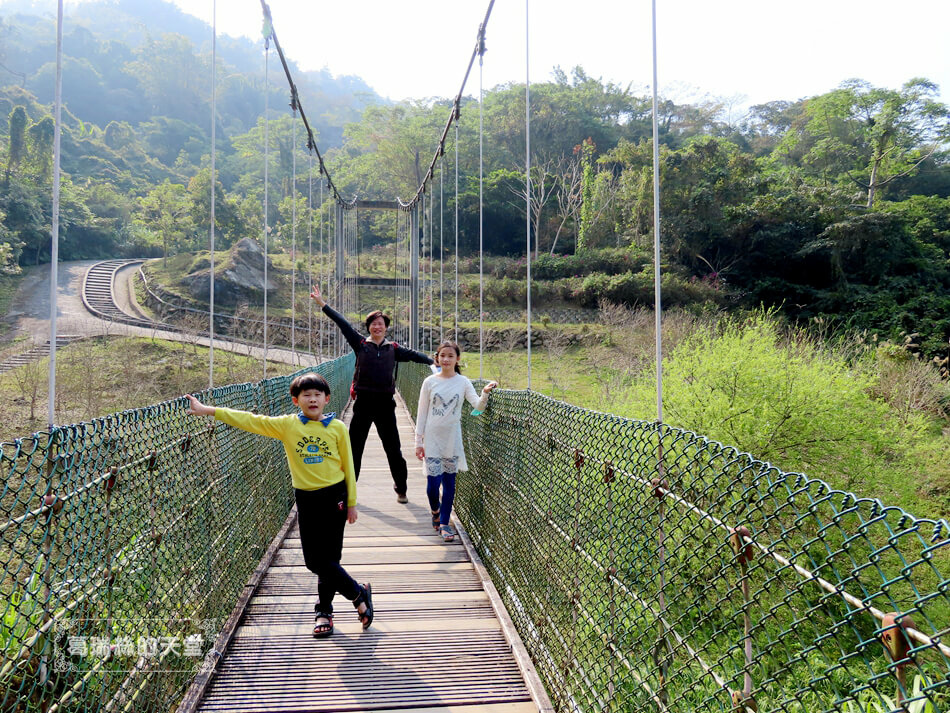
241 281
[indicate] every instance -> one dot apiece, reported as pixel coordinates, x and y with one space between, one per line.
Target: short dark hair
308 381
373 315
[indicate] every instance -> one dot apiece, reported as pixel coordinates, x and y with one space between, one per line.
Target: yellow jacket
318 452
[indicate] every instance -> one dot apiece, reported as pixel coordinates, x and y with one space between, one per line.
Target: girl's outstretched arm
478 403
196 408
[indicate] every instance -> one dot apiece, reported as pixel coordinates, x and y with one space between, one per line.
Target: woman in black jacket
374 386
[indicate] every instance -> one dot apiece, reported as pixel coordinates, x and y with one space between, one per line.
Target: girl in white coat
439 431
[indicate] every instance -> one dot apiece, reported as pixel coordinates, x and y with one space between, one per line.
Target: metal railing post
53 506
611 588
662 651
742 700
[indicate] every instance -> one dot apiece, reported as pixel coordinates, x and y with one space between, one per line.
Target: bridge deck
435 645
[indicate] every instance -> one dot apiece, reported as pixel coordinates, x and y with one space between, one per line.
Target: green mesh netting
125 543
705 580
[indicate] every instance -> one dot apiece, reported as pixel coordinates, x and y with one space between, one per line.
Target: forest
832 207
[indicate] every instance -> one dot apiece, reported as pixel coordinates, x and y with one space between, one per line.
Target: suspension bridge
150 563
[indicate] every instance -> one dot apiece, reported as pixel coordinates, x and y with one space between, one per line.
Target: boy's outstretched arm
196 408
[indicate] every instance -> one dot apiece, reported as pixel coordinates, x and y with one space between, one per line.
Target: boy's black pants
379 409
321 515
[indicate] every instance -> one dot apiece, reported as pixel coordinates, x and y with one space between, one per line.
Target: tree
22 204
8 263
173 76
40 148
544 172
868 136
568 194
17 147
166 207
228 223
587 149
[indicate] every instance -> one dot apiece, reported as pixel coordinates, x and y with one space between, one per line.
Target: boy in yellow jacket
321 469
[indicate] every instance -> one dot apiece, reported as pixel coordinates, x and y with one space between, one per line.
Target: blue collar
325 420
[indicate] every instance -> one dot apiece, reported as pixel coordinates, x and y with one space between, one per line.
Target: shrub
633 289
553 267
787 402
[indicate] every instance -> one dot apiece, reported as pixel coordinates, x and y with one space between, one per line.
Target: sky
744 51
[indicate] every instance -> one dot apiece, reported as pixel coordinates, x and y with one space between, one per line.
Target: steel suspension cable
658 309
324 252
422 220
54 233
527 173
293 239
454 115
481 251
441 249
456 230
309 253
396 290
266 178
431 257
349 251
404 289
440 149
411 233
658 315
311 142
214 46
344 247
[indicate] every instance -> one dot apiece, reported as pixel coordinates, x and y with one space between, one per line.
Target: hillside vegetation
833 206
863 415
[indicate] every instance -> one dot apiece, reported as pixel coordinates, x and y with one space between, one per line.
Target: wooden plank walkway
440 642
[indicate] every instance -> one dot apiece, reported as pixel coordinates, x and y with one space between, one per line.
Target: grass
129 373
568 378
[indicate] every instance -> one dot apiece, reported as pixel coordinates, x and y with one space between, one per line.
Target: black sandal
435 520
365 597
321 631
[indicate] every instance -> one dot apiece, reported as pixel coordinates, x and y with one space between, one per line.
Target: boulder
241 281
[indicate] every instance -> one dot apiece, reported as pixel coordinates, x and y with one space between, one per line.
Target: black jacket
375 364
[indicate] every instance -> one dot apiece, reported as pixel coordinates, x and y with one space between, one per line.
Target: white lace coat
439 417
